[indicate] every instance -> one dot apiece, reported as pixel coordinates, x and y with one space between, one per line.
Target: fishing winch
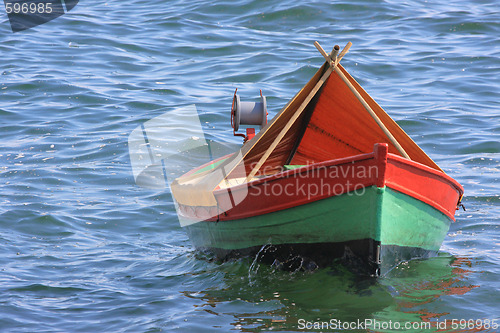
248 113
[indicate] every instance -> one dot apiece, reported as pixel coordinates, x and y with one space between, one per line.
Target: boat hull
370 231
396 211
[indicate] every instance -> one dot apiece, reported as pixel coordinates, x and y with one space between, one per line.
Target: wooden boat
331 177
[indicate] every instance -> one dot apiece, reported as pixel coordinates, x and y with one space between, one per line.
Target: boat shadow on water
295 258
295 296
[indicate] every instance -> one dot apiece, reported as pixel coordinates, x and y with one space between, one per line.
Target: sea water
83 248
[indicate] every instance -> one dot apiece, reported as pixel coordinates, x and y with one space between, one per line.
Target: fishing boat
332 177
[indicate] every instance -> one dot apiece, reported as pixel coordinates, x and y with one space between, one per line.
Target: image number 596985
26 14
28 8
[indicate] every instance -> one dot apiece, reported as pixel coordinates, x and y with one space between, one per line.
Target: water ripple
84 249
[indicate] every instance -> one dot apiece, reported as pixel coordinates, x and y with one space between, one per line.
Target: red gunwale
411 178
423 183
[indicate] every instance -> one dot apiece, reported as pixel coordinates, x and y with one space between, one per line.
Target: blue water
84 249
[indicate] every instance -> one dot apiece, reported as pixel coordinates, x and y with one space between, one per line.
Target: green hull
380 225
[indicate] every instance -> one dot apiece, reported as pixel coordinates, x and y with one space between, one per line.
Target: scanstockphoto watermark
319 181
374 324
296 188
166 147
348 170
26 14
365 324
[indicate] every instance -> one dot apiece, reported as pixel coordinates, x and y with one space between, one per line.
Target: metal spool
249 113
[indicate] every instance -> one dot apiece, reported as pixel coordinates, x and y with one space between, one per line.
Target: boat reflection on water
283 301
420 295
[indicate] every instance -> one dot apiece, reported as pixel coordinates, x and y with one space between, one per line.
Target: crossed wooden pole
333 59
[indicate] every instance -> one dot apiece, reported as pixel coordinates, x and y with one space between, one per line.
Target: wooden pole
333 67
358 95
344 51
289 124
333 64
333 59
373 114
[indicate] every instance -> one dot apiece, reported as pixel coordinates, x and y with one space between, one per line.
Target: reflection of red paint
462 271
462 261
461 290
427 316
448 285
